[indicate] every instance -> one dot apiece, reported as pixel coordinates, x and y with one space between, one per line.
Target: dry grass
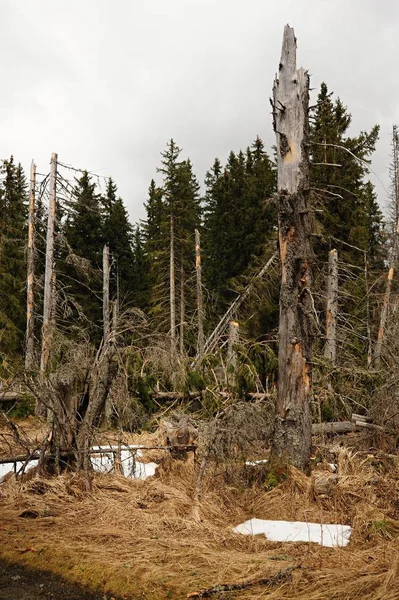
140 538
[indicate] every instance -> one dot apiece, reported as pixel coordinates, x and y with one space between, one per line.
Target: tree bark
293 423
182 306
330 350
200 302
30 315
49 269
106 321
231 352
172 297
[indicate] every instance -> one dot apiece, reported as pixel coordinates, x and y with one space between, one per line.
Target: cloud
107 84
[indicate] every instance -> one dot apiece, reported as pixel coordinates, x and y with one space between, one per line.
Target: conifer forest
225 364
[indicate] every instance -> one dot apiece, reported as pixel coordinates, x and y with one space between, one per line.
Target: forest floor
148 539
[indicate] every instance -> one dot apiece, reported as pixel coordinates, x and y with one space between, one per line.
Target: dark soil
21 583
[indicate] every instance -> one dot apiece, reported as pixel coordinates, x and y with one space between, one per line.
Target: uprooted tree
293 423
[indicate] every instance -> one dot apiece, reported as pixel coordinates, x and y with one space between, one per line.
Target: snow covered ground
102 462
296 531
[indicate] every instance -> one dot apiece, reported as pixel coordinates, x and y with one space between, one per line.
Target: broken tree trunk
293 424
231 352
30 318
182 307
200 303
49 269
106 321
172 292
49 278
330 350
383 318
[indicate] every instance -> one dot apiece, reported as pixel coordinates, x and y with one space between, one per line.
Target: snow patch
330 535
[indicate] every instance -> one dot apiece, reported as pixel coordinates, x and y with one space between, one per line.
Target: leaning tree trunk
293 424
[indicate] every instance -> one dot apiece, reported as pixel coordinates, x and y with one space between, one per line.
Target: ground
149 539
21 583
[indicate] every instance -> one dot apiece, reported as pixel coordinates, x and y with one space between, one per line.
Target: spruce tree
13 219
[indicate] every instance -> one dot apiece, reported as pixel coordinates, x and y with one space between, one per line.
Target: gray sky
106 84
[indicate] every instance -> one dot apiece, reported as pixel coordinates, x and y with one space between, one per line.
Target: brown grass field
143 539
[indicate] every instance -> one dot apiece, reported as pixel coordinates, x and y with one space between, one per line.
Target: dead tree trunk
49 279
30 318
106 322
394 249
200 302
182 306
330 350
231 352
293 423
49 269
172 295
383 318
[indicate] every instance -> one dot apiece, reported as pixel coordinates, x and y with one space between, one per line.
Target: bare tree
330 350
30 309
292 432
200 302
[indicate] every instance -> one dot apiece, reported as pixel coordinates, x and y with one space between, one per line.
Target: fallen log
279 577
334 428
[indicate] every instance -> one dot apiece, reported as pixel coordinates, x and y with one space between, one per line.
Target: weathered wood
182 305
106 272
292 432
330 350
49 270
231 352
30 295
383 318
277 579
172 288
333 428
200 301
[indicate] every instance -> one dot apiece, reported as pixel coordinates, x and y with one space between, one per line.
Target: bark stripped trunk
30 319
172 293
231 352
394 254
49 280
182 306
293 424
330 350
49 269
106 322
200 302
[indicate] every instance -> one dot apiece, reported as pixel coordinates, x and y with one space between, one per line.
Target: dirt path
20 583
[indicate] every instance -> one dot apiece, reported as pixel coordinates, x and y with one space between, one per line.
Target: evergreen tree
118 234
13 218
239 219
350 211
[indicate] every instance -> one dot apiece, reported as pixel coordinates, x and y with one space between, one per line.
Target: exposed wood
383 318
333 428
293 433
212 340
200 301
231 352
30 308
172 292
330 350
106 273
49 269
182 306
277 579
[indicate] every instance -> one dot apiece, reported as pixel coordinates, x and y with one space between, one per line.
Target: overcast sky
107 83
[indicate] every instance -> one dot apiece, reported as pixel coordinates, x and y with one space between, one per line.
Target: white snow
9 467
296 531
253 463
131 466
103 462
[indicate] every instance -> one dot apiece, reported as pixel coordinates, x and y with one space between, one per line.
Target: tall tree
13 221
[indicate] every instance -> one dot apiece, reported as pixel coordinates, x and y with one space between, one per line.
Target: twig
279 577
